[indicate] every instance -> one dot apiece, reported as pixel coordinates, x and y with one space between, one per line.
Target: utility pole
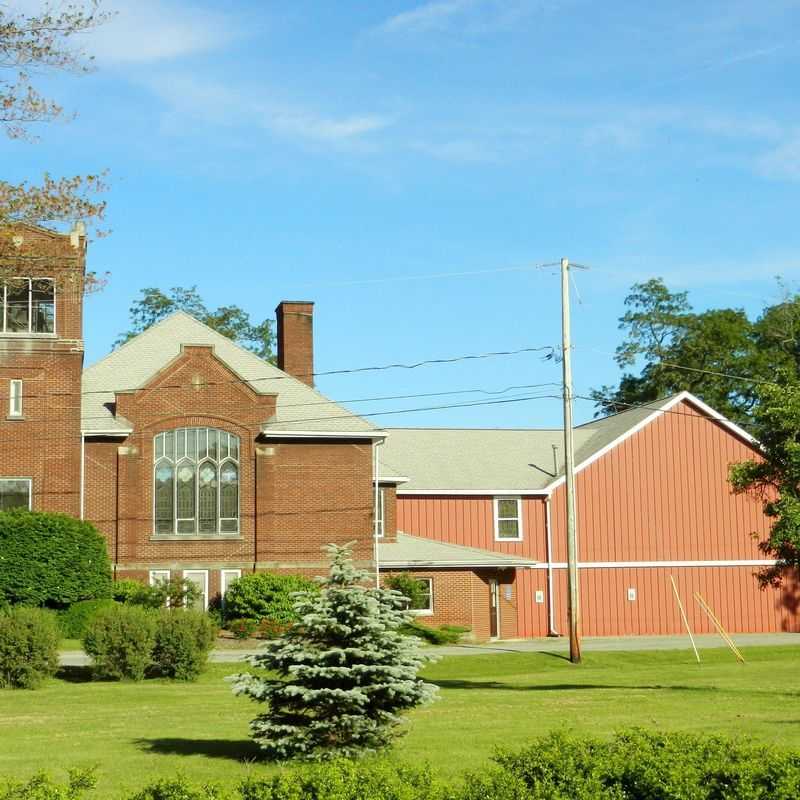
569 470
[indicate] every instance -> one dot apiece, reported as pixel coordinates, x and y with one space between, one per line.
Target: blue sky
334 151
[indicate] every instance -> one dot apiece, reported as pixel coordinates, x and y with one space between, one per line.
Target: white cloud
470 16
783 161
150 31
190 98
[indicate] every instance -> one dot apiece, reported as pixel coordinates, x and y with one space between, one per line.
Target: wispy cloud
471 16
150 31
188 97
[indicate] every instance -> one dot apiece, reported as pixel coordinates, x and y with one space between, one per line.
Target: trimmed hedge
183 640
74 621
445 634
265 595
51 560
28 647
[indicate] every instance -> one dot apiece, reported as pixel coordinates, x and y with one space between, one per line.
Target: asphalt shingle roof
299 407
416 551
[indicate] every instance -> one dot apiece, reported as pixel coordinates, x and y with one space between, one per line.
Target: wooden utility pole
569 470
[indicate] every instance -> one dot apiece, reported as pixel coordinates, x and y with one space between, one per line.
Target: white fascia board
456 564
125 432
657 412
654 564
477 492
392 479
276 434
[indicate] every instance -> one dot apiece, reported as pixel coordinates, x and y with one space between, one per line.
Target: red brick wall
45 444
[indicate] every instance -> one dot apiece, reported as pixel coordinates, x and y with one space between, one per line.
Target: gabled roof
300 409
504 461
416 551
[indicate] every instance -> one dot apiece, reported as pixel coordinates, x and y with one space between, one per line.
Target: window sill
15 418
194 537
27 335
509 539
418 613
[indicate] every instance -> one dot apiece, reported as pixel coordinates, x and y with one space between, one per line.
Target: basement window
507 519
15 493
28 306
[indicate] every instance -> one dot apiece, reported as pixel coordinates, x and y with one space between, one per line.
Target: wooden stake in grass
718 625
685 621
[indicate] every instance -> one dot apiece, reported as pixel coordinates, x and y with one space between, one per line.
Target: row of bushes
634 765
125 642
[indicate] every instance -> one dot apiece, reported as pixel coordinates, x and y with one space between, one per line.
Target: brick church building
196 458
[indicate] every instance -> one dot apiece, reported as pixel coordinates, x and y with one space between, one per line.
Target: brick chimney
296 339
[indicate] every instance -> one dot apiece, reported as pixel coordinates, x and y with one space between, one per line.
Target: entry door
494 608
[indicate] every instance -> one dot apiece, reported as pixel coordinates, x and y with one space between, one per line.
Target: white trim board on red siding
650 564
671 403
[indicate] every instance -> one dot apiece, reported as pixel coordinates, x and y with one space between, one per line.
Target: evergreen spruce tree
342 675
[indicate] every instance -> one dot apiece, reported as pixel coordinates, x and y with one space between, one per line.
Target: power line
349 371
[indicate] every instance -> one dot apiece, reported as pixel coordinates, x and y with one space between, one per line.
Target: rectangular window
507 519
28 306
15 493
159 576
15 398
380 513
424 604
200 578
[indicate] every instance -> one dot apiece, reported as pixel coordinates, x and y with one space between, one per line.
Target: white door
226 578
200 578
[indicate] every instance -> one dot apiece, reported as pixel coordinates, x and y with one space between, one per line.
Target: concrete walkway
77 658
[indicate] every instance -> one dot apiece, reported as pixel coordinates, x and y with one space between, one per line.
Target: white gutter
551 599
477 492
83 476
456 564
277 434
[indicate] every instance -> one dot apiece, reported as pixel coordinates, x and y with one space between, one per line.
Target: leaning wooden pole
685 621
718 625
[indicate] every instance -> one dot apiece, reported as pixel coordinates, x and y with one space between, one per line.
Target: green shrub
183 640
120 641
41 787
129 591
28 647
410 587
74 620
640 765
347 780
176 789
446 634
51 559
242 628
265 595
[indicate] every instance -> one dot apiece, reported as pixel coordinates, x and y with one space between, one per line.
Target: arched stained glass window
196 481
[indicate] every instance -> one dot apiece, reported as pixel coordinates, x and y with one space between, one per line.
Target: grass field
137 732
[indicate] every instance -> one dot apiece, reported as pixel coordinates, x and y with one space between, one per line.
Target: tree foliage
719 354
341 676
775 477
230 321
266 596
33 44
51 559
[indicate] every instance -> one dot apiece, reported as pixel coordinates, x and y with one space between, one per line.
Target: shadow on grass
74 674
560 687
234 750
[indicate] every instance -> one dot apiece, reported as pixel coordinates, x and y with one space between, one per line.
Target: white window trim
224 585
496 505
425 612
204 573
29 481
157 575
29 332
15 398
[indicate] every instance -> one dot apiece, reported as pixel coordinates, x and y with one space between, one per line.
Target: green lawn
137 732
